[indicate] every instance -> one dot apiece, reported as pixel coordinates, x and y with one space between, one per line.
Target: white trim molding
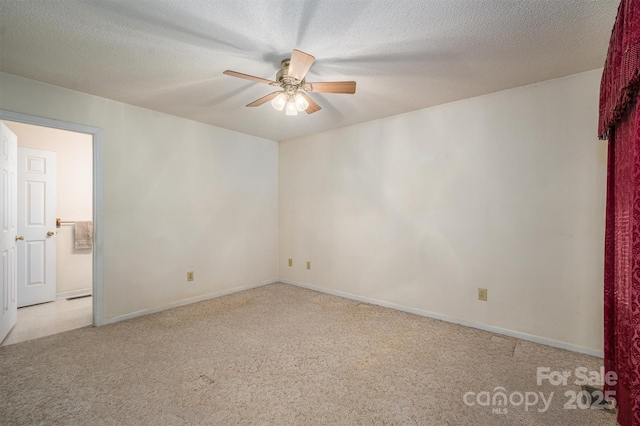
188 301
96 135
503 331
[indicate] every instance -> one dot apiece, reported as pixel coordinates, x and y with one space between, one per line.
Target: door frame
96 134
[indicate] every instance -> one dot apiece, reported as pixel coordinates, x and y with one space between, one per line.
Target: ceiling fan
292 97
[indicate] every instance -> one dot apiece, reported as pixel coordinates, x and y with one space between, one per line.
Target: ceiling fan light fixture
301 102
279 101
292 96
291 108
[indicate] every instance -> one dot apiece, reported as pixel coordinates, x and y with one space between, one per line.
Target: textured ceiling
168 55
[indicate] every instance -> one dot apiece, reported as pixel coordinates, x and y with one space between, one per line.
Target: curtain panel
622 266
619 123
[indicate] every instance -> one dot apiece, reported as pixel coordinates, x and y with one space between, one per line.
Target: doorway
74 152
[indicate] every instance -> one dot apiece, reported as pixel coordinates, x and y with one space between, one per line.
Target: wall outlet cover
482 294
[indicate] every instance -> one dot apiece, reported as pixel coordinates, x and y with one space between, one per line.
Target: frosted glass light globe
279 101
301 102
291 108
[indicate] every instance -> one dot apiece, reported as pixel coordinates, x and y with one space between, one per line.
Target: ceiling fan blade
264 99
313 106
334 87
300 64
247 77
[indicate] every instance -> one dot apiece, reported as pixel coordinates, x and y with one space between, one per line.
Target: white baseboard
74 293
497 330
187 302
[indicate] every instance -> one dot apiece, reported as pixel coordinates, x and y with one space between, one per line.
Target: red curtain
619 122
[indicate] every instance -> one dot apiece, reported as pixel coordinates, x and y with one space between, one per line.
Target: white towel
84 235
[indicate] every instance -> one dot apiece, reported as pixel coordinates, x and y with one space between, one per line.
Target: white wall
74 157
178 196
504 191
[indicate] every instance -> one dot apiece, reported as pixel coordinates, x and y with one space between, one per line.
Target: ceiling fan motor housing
289 84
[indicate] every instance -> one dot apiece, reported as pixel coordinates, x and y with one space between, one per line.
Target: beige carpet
280 355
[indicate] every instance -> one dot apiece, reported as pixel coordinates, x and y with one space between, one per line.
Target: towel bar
60 221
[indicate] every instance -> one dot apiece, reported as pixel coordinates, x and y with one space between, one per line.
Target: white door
8 187
37 223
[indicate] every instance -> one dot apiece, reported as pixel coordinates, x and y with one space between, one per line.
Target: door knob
50 234
19 237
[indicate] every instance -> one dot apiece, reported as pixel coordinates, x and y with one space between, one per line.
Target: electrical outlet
190 276
308 265
482 294
290 262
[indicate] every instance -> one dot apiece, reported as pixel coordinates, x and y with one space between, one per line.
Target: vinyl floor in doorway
50 318
283 355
